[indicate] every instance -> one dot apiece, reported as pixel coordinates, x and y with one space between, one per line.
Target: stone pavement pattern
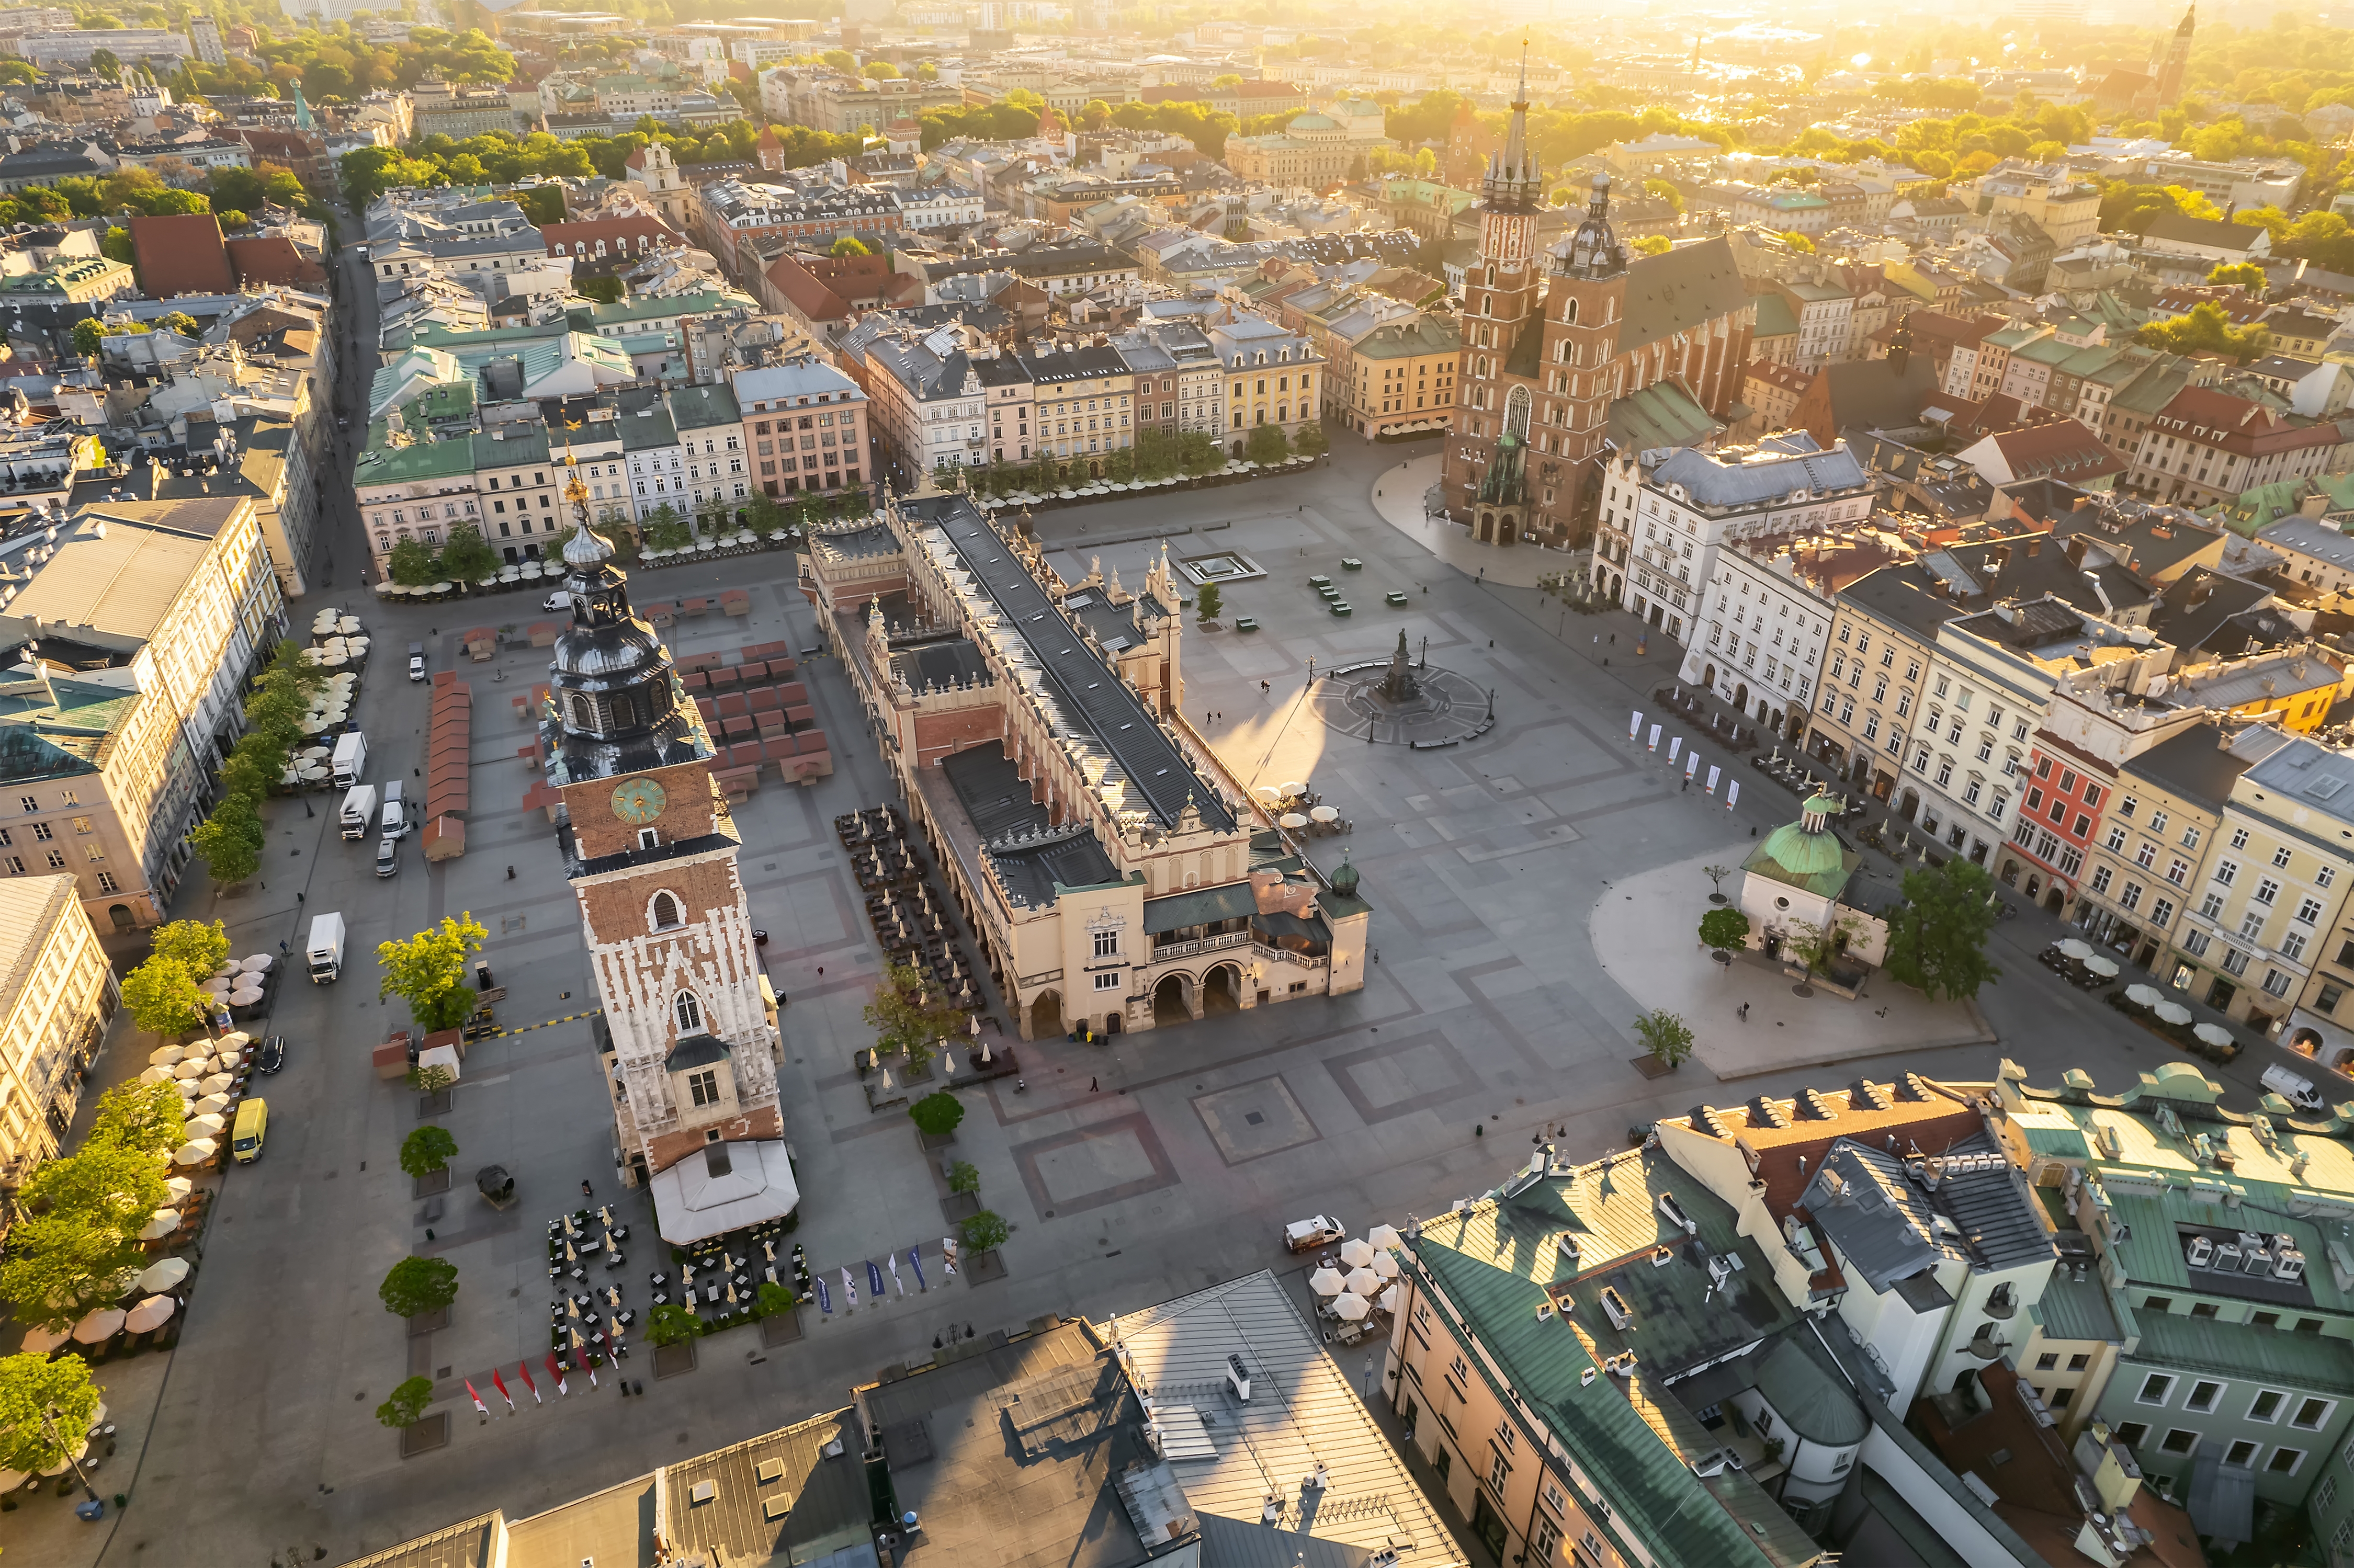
1133 1174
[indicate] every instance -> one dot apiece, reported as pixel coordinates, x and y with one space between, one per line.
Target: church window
667 913
625 711
703 1087
584 712
1569 314
690 1013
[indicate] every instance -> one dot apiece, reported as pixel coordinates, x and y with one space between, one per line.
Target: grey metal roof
2313 776
2310 537
1234 901
953 663
1772 476
1888 1226
2194 766
990 788
1086 690
1808 1396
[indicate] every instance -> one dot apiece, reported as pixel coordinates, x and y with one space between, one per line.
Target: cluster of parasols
715 1278
910 922
210 1075
1359 1279
152 1305
1294 808
585 1325
239 984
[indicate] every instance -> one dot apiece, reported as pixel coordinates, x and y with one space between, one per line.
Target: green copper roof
1817 862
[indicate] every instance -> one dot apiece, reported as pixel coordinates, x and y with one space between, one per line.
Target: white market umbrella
166 1275
190 1068
2144 995
157 1075
1356 1253
1350 1307
150 1315
211 1104
2213 1033
179 1187
167 1056
1327 1282
2172 1012
161 1224
1268 795
2104 966
1292 820
248 997
1294 788
1385 1237
1385 1265
196 1151
41 1342
1388 1303
1364 1282
1324 814
2076 948
219 1082
98 1327
207 1126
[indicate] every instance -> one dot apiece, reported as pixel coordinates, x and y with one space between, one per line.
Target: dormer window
650 837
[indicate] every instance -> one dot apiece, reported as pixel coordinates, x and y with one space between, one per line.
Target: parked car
272 1055
388 856
416 661
1306 1236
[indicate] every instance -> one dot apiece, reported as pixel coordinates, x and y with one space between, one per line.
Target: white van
557 600
2298 1091
396 811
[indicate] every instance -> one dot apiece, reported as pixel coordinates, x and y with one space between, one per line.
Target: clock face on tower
639 801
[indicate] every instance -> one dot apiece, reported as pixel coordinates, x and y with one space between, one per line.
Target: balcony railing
1166 952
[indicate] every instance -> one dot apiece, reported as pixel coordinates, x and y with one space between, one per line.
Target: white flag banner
1634 725
1712 773
1675 745
1692 764
1655 736
1732 792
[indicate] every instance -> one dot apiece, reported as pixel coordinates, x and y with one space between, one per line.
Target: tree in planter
196 946
426 1151
230 840
85 1211
665 530
1209 601
32 1386
412 564
428 971
162 1000
985 1232
1313 441
963 1177
672 1326
1267 445
1667 1037
407 1405
911 1014
1716 875
1723 929
432 1079
416 1285
773 1300
938 1114
1936 938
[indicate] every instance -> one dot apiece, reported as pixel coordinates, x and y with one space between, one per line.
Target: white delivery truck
351 759
324 950
2292 1086
557 600
396 810
359 809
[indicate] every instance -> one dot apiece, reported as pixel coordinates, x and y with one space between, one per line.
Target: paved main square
1131 1174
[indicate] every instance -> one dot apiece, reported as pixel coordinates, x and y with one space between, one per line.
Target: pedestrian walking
586 1190
1741 1013
1094 1088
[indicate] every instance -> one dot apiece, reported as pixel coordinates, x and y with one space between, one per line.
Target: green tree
849 245
181 322
147 1118
1312 441
465 558
2206 328
964 1177
1936 938
2247 275
1798 242
426 1151
32 1386
429 971
938 1114
1665 192
231 842
1653 245
197 948
605 289
104 63
772 1300
672 1325
407 1405
912 1014
880 70
1267 445
1667 1037
416 1285
412 563
162 1000
1724 929
984 1231
1209 601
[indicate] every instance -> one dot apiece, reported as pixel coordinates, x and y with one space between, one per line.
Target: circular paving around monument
1446 707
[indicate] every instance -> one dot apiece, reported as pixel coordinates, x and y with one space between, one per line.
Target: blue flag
916 1262
824 1297
873 1280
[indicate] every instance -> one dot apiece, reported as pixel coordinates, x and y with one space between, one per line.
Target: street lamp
94 1508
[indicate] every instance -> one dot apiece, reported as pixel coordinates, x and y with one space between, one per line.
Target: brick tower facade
2169 70
688 1036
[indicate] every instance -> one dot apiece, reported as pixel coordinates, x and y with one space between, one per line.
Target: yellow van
252 1123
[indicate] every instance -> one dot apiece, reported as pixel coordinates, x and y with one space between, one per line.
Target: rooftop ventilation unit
2198 1252
1675 1214
2289 1264
1615 1308
1238 1380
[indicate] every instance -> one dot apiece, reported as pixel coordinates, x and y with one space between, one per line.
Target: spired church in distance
1578 351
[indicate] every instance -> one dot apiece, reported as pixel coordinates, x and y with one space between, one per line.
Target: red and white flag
475 1397
523 1370
555 1370
500 1383
592 1376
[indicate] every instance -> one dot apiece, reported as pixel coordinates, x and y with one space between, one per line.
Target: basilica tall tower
2169 71
687 1038
1500 317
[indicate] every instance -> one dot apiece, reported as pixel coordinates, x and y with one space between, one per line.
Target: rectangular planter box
670 1360
428 1435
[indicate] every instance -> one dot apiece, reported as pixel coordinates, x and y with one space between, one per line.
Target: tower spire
1512 180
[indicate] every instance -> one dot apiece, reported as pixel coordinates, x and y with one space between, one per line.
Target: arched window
584 713
690 1013
667 912
625 711
1569 313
